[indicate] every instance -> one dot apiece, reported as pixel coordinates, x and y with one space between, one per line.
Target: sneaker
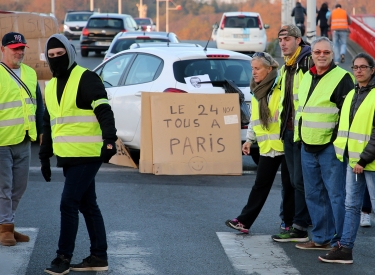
282 225
235 224
91 263
341 255
311 245
59 266
365 220
342 59
291 235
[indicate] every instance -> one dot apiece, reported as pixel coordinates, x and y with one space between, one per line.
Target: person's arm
46 150
92 95
39 111
368 154
293 11
250 134
304 11
349 19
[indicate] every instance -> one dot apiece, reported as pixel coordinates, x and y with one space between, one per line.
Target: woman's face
260 71
362 71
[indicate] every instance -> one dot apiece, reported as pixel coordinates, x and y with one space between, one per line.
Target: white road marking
14 259
256 254
125 256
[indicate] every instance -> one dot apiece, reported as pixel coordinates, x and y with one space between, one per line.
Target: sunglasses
261 54
320 52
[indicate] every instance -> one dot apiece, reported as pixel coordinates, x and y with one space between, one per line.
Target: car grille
76 29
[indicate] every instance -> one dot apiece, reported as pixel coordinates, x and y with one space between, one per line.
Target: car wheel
84 53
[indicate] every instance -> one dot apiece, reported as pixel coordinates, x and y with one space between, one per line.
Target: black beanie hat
54 43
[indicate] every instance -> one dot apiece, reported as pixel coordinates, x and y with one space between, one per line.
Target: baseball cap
291 30
13 40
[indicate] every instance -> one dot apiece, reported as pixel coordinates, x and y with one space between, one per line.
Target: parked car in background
124 40
164 69
74 22
100 30
241 32
146 24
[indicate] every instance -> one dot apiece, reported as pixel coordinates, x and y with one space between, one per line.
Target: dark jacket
322 18
338 96
299 13
303 62
368 154
90 88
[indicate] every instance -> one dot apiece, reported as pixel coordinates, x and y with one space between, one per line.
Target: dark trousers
324 31
293 159
366 206
79 195
266 172
287 194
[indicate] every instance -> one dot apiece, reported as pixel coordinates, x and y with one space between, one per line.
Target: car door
127 99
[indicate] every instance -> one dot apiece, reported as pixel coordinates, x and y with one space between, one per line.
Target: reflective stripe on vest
319 115
18 115
267 139
75 132
339 19
357 137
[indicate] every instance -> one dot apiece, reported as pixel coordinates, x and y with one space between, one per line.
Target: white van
241 32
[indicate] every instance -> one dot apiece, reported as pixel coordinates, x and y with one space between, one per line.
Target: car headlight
66 28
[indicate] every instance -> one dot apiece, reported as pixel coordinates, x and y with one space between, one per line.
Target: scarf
260 91
290 61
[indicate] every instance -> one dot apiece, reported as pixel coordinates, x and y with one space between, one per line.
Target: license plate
102 43
240 35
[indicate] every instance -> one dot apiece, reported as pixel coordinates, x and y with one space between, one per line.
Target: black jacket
90 88
338 96
299 13
368 154
321 17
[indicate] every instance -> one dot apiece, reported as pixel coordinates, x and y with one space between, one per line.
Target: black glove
46 169
108 150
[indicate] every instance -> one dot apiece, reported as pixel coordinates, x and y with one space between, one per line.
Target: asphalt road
169 225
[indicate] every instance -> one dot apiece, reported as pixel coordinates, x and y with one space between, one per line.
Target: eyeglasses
261 54
320 52
361 67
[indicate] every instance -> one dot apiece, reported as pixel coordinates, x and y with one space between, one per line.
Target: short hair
321 39
338 6
367 57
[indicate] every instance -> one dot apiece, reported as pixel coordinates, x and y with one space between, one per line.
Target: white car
241 32
164 69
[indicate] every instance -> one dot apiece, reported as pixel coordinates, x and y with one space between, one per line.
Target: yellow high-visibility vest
357 137
75 132
17 109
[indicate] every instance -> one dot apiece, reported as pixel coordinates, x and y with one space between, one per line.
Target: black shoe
340 255
59 266
91 263
342 59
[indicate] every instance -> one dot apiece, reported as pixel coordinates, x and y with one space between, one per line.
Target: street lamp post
176 7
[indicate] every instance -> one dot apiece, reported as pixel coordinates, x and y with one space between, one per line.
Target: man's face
56 52
13 57
289 44
322 55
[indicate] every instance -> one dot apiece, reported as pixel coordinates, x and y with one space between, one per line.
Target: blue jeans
14 174
79 195
324 177
339 43
293 159
355 188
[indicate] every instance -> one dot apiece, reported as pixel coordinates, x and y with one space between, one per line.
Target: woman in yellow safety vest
265 130
356 141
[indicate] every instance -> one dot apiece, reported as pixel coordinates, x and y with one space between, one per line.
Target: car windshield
217 69
108 23
124 44
77 17
241 22
143 21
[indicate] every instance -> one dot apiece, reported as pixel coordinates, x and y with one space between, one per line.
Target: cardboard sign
35 58
31 25
191 134
122 156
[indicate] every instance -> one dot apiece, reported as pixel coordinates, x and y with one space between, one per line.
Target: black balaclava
59 65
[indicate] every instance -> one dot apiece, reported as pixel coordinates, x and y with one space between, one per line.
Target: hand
246 148
358 169
46 169
108 150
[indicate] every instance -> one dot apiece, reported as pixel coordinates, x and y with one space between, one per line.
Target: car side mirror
215 26
266 26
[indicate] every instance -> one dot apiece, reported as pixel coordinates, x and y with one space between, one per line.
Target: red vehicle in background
146 24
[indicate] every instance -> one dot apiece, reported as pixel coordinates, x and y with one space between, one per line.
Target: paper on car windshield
193 82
